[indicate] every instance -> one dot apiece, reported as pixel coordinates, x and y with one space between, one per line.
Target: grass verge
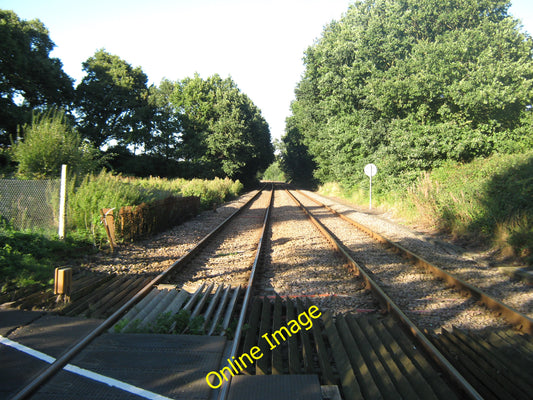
487 202
28 259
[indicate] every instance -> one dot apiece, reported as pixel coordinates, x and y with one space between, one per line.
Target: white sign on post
370 171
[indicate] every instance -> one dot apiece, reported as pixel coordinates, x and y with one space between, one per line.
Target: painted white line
84 372
20 347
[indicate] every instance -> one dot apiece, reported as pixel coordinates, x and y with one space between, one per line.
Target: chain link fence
30 204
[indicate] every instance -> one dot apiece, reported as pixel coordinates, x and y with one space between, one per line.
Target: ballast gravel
425 298
155 254
301 263
228 258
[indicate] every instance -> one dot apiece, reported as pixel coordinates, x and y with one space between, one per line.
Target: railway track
220 288
521 321
146 291
474 294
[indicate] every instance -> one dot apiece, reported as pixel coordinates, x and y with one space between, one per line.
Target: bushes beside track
486 202
28 259
106 190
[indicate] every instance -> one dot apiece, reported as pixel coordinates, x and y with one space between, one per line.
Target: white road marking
84 372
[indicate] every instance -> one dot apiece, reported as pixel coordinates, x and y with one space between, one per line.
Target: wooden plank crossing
498 365
366 356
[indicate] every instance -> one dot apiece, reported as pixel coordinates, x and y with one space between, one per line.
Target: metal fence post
62 202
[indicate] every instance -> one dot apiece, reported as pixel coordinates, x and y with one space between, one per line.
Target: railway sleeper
497 365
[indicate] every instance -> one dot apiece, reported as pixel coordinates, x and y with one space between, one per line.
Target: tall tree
413 83
29 78
51 140
166 123
223 132
112 102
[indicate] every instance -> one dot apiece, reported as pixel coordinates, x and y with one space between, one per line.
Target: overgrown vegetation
437 94
166 322
28 259
410 85
51 140
107 190
210 191
487 201
274 173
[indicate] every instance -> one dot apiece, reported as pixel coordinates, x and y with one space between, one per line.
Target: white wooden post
370 205
62 202
370 171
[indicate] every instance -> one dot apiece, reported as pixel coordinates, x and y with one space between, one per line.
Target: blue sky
259 43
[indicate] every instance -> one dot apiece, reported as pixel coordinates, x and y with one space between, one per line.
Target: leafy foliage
28 259
106 190
29 77
296 162
488 199
96 192
223 132
409 84
485 202
274 173
192 128
112 100
50 141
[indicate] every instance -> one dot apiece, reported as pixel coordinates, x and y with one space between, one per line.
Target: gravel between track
301 262
228 258
491 280
437 307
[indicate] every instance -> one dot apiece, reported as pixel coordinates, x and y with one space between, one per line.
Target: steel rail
238 332
514 317
393 308
60 362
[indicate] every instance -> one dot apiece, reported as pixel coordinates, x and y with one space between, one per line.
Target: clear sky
259 43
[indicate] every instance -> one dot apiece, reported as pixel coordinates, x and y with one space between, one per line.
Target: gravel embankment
300 262
491 280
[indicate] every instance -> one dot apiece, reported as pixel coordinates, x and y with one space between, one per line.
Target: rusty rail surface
394 309
514 317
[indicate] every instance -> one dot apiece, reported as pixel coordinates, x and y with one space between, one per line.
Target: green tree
50 141
29 78
166 124
223 132
113 102
414 83
274 173
296 162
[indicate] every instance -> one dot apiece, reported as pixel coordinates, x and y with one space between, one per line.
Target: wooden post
63 283
109 224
